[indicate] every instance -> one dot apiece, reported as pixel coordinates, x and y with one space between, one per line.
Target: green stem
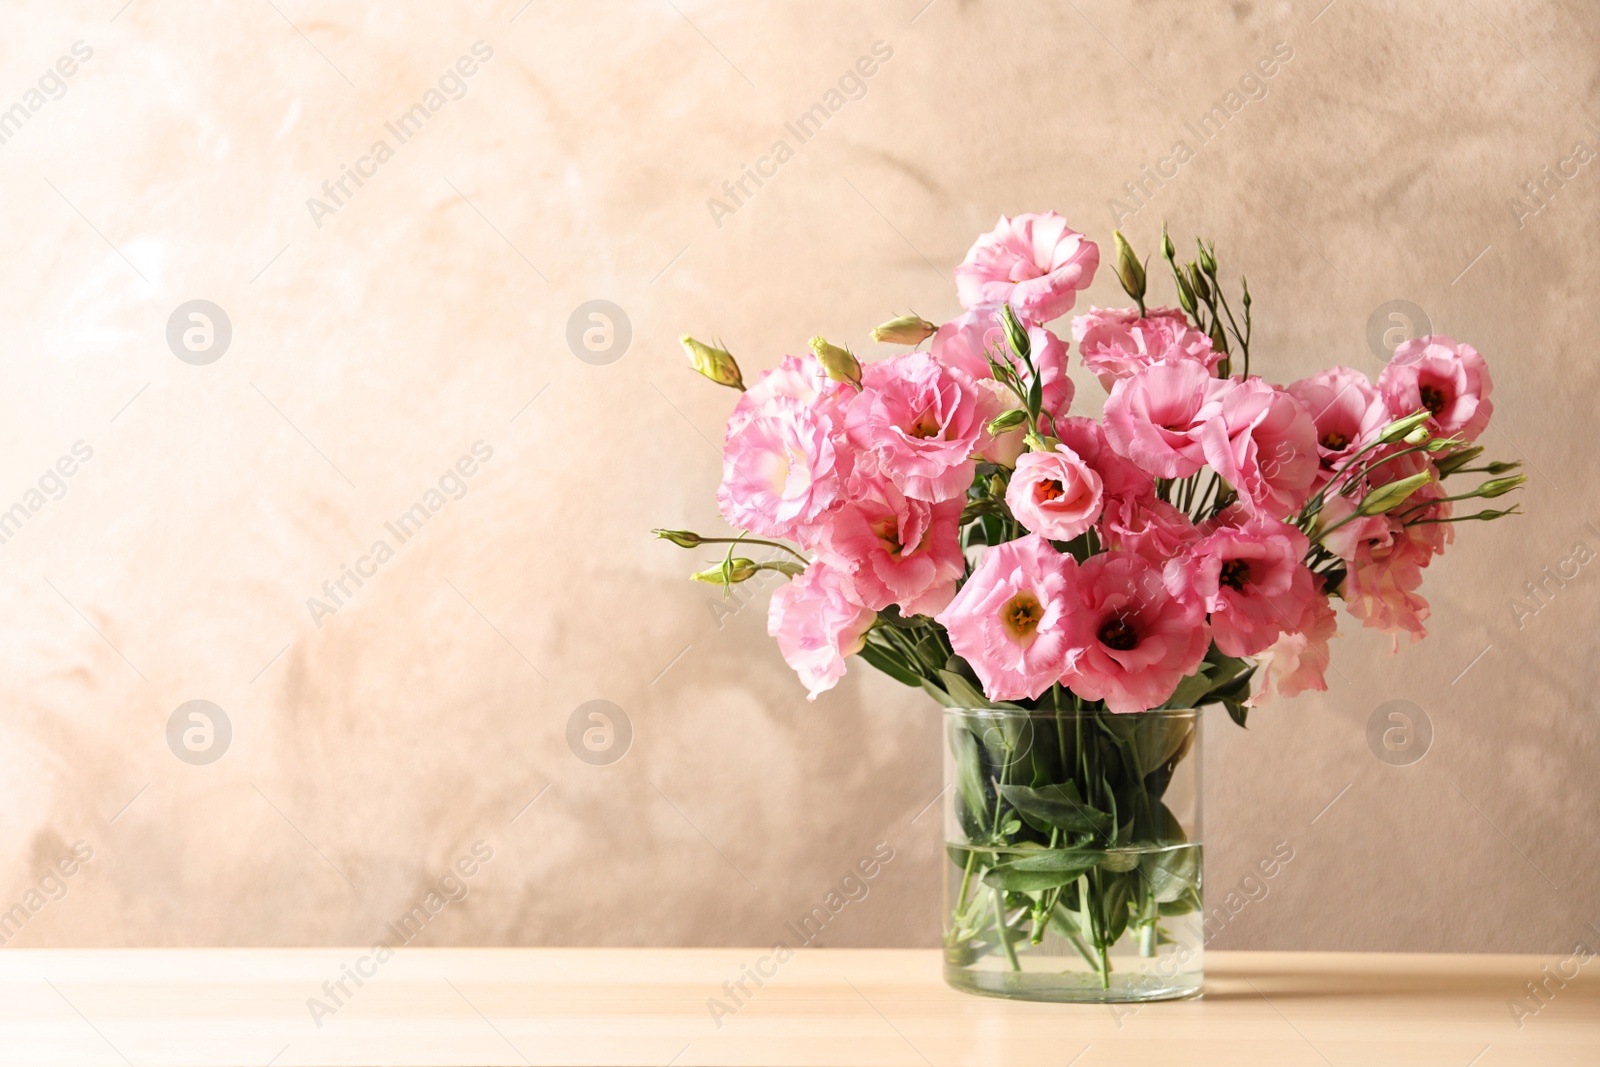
1068 927
753 541
1002 931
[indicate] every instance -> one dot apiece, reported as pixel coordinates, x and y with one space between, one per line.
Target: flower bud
1197 278
1129 270
1009 421
1167 251
681 538
1500 486
1398 429
1456 460
1016 334
733 569
1417 436
1244 283
838 362
906 330
714 363
1208 261
1186 295
1501 468
1390 496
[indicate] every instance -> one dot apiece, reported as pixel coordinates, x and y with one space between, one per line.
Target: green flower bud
1202 288
1501 468
1016 333
1500 486
1390 496
1398 429
906 330
1245 284
714 363
733 569
1456 460
1129 270
1009 421
838 362
1208 261
1186 295
1417 436
681 538
1167 251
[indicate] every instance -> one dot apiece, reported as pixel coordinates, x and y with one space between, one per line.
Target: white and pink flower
896 549
1451 380
1117 343
1035 263
1297 662
818 623
1263 443
1130 641
1146 526
921 422
1055 494
782 468
1010 619
1346 411
1249 579
1154 416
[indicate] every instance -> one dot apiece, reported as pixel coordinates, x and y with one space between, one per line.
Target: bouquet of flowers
944 516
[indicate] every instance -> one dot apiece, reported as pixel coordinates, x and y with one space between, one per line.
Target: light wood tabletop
824 1006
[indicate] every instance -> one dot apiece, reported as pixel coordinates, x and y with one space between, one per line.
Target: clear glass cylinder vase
1074 848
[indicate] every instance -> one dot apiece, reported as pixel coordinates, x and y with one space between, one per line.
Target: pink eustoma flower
1118 476
1035 263
795 378
1154 416
1116 343
817 623
1146 526
1450 380
1297 661
781 470
1009 619
1131 642
1054 494
896 549
966 342
1263 444
1250 579
1383 567
1347 412
921 422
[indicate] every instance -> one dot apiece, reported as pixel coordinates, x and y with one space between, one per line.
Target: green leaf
1120 860
963 691
1056 807
894 666
1236 711
1115 898
1191 689
1045 870
1172 873
969 779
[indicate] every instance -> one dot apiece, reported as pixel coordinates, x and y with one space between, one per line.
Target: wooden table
857 1007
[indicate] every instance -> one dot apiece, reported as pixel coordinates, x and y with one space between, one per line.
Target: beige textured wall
374 345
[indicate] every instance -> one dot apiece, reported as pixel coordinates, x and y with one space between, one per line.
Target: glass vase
1073 839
